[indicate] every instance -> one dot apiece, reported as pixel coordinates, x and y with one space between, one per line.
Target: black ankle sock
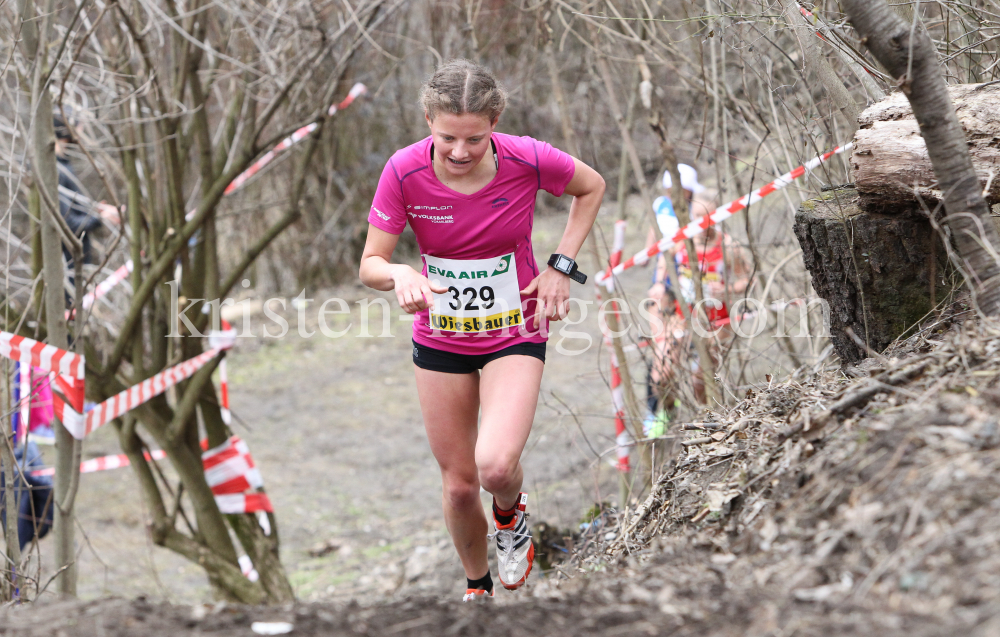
501 516
483 583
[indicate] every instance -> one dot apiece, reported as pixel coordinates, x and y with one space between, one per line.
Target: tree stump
875 270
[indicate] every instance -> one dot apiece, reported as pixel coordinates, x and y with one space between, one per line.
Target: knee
497 475
460 494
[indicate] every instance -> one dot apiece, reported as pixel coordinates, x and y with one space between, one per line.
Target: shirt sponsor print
433 218
430 217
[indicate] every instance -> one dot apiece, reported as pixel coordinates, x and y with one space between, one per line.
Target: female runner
481 304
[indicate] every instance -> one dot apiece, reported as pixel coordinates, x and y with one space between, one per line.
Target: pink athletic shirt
495 221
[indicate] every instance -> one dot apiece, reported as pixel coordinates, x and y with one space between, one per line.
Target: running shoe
515 551
477 595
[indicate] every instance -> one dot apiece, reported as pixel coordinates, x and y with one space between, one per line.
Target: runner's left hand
553 295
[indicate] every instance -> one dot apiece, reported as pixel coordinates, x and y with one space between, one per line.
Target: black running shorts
450 363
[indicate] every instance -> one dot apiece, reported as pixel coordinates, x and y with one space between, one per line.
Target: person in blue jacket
74 206
32 494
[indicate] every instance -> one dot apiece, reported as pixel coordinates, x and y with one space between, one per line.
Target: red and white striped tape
230 469
65 367
136 395
244 503
47 357
617 248
107 284
356 91
227 416
225 338
291 140
813 19
721 213
122 273
105 463
622 437
232 475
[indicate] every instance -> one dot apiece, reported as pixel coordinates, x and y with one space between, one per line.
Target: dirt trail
335 427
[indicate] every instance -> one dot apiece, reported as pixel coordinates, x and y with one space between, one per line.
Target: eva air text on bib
482 295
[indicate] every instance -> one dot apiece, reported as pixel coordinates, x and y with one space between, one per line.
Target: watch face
564 264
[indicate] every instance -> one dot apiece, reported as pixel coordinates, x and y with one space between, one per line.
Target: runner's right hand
414 291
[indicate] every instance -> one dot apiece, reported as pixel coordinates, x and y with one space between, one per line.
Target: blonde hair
461 86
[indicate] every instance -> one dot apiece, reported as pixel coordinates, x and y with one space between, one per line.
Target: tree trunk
9 504
260 547
47 181
880 274
909 55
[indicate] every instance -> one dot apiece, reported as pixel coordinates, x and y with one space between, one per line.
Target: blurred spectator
32 493
75 207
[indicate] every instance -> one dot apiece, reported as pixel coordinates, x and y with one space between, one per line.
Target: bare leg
508 391
450 407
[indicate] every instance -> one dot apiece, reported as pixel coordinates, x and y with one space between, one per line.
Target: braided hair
460 86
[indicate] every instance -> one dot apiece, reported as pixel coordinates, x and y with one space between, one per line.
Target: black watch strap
560 262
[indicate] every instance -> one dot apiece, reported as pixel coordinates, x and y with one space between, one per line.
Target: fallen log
892 170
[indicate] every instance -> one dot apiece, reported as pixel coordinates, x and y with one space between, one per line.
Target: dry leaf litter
859 500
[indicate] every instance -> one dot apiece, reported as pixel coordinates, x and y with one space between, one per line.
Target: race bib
482 295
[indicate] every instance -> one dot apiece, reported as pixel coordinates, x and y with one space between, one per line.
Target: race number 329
485 296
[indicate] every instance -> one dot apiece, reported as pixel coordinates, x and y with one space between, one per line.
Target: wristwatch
567 266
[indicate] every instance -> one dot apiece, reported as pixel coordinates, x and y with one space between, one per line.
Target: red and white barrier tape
229 471
136 395
244 503
224 338
622 437
107 284
232 476
813 19
721 213
294 138
122 273
66 368
104 463
47 357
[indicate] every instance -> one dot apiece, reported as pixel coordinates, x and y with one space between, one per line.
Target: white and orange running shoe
478 595
515 551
